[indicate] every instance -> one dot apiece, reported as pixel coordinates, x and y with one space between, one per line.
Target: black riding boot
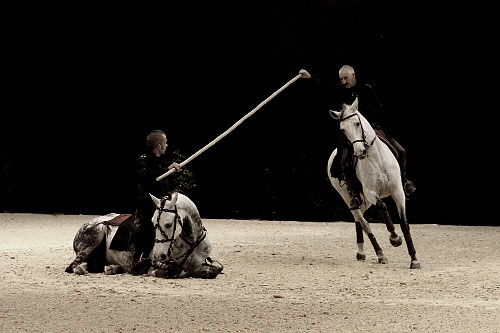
408 186
144 242
354 193
352 182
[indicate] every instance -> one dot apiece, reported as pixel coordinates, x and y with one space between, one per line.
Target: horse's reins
160 210
363 140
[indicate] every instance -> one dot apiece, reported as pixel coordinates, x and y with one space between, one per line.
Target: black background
83 84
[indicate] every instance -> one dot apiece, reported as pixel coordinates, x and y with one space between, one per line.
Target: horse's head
356 128
167 222
175 217
181 246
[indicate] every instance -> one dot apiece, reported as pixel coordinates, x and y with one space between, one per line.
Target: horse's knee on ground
206 271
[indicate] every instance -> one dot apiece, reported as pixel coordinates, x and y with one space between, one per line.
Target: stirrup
409 188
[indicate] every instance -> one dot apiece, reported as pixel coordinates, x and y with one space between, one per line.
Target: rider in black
148 167
371 108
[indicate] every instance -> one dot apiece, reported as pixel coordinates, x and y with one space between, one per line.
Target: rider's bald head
346 69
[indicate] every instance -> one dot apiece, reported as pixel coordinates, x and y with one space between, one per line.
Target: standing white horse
378 171
181 246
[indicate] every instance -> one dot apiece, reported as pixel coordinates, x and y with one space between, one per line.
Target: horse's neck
192 228
192 225
379 161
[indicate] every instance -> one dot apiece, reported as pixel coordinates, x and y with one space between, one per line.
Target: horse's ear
335 114
172 202
156 201
355 104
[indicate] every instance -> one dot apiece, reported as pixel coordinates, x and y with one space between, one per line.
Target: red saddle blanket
118 219
380 134
382 137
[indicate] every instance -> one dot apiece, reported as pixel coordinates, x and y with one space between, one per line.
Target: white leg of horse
358 217
400 201
360 255
342 190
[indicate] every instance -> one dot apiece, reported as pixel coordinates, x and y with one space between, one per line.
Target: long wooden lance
230 129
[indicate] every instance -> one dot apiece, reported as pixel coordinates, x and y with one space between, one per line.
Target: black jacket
148 167
368 104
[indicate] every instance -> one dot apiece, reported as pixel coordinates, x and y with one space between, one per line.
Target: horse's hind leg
394 238
358 217
405 228
86 241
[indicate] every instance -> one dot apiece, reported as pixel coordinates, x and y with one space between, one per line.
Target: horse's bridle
192 245
177 218
363 140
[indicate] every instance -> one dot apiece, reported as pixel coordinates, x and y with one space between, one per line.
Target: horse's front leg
394 238
358 217
360 255
113 269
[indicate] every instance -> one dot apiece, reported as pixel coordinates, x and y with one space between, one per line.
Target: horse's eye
357 124
168 225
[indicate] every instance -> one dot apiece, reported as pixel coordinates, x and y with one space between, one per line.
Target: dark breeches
350 178
401 155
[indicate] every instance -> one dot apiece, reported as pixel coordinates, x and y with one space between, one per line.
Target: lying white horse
181 246
378 171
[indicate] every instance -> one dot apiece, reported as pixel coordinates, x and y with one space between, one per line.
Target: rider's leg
408 186
144 241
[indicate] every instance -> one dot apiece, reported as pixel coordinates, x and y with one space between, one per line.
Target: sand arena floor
278 277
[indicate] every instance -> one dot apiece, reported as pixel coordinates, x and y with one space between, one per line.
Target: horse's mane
192 217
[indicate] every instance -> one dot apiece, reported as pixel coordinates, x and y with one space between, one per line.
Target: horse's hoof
415 264
112 269
80 269
396 241
360 256
70 269
382 260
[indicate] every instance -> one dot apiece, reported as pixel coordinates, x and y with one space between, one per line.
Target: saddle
123 238
381 136
117 220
